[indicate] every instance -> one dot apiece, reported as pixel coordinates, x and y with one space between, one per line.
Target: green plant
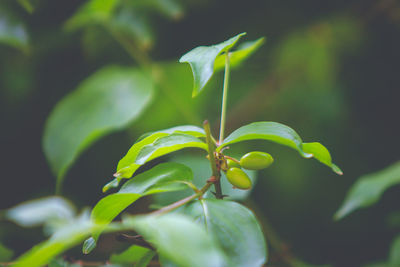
367 191
197 230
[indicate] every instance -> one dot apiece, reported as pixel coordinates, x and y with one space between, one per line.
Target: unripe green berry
256 160
232 163
238 178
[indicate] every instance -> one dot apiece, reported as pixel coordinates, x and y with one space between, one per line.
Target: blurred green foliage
329 70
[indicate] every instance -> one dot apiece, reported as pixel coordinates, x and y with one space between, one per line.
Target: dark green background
329 69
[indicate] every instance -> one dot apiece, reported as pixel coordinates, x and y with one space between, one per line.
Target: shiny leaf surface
236 229
168 144
283 135
127 165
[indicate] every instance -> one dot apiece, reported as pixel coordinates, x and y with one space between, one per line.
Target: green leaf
283 135
107 101
236 229
179 240
127 165
62 263
69 232
68 236
131 255
27 5
394 254
92 12
133 25
5 253
237 57
37 212
165 177
368 189
12 30
170 8
321 154
201 60
145 260
166 145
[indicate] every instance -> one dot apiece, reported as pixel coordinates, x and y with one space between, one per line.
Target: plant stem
183 201
215 172
224 98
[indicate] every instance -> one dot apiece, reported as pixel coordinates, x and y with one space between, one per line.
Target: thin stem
183 201
215 172
224 98
134 239
235 160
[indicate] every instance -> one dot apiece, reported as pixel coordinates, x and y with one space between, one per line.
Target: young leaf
166 145
368 189
321 154
281 134
164 177
179 240
201 60
236 57
127 166
107 101
236 229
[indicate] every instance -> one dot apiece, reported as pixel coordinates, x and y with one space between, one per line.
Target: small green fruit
232 163
238 178
256 160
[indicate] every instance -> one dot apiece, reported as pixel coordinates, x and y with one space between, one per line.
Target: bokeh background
329 69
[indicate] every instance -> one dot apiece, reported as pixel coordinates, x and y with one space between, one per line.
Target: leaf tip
113 184
336 169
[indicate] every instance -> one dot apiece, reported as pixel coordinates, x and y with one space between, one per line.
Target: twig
182 202
134 239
